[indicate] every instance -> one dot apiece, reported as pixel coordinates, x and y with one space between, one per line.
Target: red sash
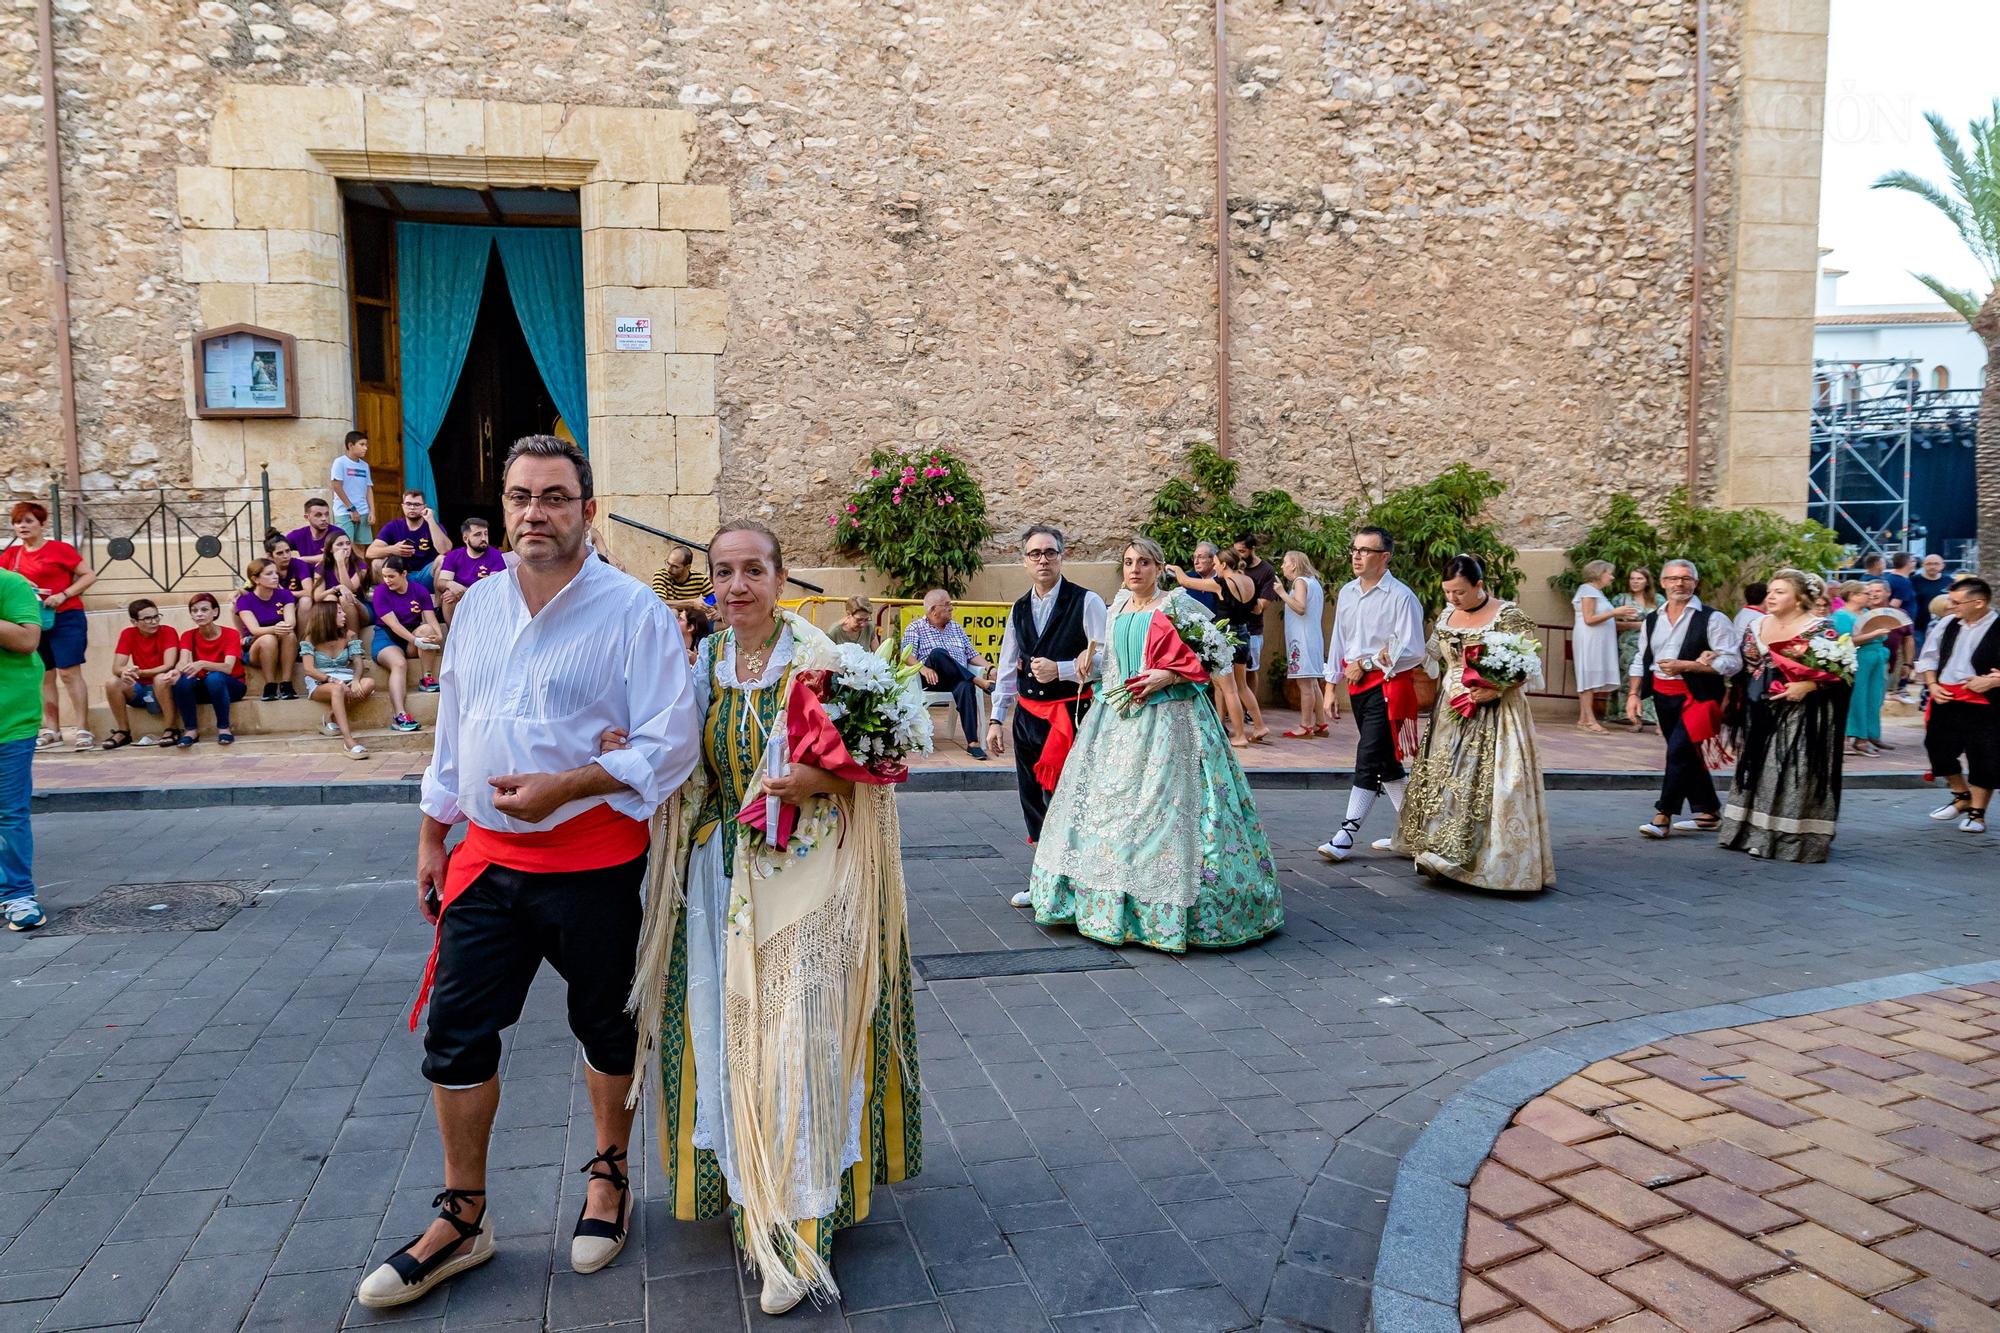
1701 717
1062 735
597 839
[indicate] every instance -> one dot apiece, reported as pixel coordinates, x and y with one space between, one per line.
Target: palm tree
1972 204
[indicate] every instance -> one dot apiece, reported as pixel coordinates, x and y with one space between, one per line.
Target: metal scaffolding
1867 417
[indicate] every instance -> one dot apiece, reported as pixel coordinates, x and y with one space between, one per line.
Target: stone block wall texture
1456 230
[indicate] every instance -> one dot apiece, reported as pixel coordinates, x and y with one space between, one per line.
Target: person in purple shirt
294 574
309 542
268 617
405 622
416 537
458 570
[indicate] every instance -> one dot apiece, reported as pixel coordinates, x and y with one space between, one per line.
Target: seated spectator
146 653
309 542
459 569
269 617
414 537
294 574
942 652
857 623
210 671
676 582
336 667
405 622
343 578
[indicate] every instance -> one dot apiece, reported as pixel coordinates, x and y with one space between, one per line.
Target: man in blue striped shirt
942 650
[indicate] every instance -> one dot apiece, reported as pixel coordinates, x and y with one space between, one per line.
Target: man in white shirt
1745 620
542 659
1687 652
1049 631
1960 669
1378 640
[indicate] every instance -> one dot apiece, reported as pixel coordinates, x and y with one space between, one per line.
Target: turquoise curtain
544 267
440 272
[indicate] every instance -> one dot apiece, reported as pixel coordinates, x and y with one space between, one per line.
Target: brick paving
1835 1171
210 1130
259 760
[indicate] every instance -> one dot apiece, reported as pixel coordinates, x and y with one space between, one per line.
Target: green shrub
1435 520
919 517
1729 547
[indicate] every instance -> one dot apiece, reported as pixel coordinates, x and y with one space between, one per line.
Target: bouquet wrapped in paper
1205 644
855 713
1497 660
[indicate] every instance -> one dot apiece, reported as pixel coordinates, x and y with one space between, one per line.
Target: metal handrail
693 545
166 536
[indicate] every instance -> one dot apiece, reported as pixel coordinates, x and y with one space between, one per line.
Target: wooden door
378 397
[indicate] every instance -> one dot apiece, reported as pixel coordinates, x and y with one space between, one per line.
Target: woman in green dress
1644 599
773 987
1152 835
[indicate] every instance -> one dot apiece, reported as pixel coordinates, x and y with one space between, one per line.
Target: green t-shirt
20 673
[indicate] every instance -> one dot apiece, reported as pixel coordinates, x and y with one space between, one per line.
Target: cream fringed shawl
803 959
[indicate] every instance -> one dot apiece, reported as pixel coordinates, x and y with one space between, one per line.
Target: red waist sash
597 839
1062 735
1701 717
1399 692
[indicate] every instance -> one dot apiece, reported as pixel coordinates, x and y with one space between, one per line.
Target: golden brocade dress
884 1133
1474 811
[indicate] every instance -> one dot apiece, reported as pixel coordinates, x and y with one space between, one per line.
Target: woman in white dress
1594 642
1305 639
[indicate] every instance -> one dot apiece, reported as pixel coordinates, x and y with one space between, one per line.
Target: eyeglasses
552 502
1043 553
149 620
1366 550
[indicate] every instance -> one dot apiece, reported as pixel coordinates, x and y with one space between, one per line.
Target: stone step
288 718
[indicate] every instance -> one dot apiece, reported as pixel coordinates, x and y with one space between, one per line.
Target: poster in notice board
244 371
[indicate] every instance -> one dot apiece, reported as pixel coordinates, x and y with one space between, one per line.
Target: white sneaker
1021 899
1384 844
1332 852
1950 810
1972 824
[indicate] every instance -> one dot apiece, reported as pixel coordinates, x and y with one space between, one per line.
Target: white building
1948 352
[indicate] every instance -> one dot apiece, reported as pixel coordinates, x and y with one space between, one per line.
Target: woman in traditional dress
1305 639
774 986
1871 665
1643 599
1594 643
1152 834
1786 798
1474 810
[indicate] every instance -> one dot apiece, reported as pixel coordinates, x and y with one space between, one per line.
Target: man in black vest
1038 685
1687 651
1960 668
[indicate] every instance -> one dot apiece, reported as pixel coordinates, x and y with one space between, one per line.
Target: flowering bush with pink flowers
919 517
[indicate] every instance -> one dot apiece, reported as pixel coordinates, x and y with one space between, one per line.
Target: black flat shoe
403 1277
596 1242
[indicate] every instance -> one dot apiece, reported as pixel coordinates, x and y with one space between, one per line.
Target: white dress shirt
1007 679
1668 645
1366 618
1745 622
532 694
1970 634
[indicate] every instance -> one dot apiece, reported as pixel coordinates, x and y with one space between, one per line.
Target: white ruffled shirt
532 694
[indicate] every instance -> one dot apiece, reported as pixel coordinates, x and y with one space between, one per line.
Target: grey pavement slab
222 1129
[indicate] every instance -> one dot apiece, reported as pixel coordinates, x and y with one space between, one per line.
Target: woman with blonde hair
1594 642
1304 596
1152 835
857 623
1785 801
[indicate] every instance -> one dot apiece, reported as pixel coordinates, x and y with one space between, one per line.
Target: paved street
201 1130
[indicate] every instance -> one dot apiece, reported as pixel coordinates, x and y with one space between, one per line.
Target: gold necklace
754 662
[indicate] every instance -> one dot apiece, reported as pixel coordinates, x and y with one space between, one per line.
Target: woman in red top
60 576
211 671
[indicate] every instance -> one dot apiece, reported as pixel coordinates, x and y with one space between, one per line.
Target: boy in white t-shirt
352 483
